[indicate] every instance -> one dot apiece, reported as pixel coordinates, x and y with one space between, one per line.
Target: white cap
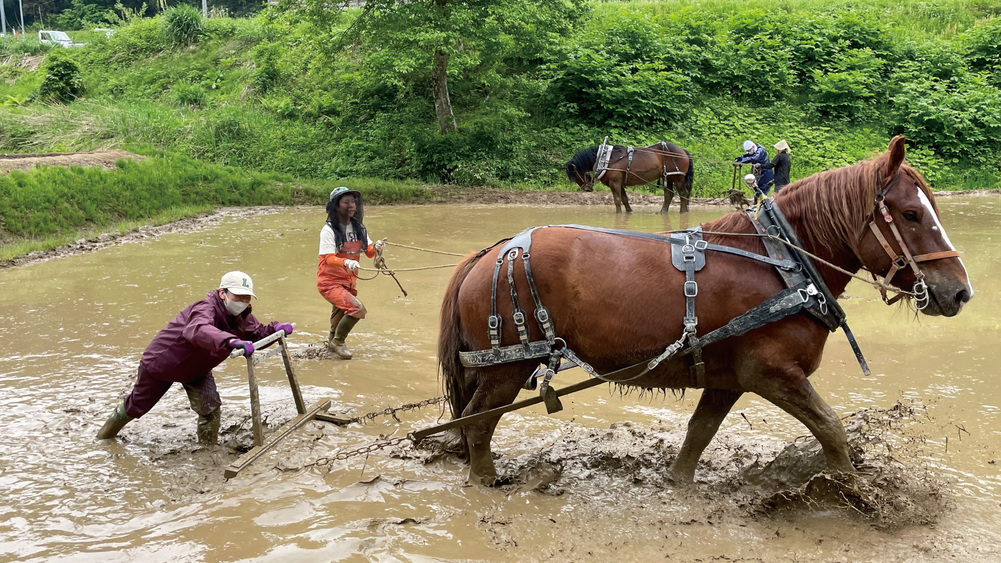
748 145
238 283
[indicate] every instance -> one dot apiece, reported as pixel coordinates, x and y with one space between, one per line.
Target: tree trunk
442 103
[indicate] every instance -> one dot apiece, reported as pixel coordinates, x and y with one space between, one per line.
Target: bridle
586 179
903 259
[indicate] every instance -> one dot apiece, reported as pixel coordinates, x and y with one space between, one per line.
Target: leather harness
805 291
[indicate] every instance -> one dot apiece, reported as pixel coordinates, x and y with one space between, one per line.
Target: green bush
267 73
189 95
182 25
62 82
983 52
958 117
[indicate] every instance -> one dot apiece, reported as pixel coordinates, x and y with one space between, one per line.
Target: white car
50 37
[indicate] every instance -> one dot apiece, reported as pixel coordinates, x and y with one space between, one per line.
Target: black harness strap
518 316
784 264
834 314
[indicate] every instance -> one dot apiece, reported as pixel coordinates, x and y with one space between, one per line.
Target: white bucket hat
748 145
237 283
782 146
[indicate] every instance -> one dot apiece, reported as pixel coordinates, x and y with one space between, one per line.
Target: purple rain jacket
197 340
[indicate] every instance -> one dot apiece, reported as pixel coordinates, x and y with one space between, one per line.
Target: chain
391 411
367 449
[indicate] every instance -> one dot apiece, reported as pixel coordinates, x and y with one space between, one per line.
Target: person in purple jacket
198 339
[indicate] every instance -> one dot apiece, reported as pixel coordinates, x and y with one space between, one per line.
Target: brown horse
661 162
617 300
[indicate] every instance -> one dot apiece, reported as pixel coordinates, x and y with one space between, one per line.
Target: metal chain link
383 442
391 411
367 449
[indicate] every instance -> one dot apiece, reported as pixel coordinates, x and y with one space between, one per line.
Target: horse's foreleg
617 196
709 414
801 401
496 389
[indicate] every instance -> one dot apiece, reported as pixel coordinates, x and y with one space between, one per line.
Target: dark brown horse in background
661 162
618 301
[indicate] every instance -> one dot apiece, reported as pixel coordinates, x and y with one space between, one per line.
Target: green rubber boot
115 423
336 344
208 428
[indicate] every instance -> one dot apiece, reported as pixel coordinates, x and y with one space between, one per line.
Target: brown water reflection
74 329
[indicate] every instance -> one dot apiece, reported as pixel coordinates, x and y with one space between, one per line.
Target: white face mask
235 307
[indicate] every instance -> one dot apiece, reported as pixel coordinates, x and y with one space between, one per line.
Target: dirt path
104 159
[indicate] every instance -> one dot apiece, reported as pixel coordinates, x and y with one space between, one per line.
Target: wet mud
589 483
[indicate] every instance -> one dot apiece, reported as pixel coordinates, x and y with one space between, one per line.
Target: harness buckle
900 262
691 289
701 244
493 322
519 318
688 248
542 315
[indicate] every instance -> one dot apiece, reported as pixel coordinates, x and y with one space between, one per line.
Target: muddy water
585 484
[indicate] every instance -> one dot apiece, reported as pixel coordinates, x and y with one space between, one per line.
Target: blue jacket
760 156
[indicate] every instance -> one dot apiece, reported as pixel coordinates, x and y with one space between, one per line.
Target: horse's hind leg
668 195
709 414
683 197
497 387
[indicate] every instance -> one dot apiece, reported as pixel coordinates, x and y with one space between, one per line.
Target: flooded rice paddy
586 484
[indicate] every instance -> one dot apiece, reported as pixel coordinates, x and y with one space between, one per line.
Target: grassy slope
201 102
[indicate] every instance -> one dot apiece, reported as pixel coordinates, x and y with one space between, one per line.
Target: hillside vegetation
318 95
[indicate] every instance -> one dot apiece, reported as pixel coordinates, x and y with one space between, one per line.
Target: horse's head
584 178
904 242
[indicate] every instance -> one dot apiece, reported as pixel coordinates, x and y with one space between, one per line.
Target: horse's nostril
962 297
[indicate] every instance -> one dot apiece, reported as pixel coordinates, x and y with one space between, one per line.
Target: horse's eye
912 216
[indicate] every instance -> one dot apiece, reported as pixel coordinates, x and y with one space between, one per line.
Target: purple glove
246 345
287 327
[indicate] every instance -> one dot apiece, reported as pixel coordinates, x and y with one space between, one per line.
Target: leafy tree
430 41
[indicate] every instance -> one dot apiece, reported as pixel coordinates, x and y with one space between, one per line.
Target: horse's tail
452 374
686 185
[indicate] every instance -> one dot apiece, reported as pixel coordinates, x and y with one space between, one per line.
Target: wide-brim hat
782 146
237 283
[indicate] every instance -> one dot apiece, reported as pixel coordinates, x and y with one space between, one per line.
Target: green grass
20 246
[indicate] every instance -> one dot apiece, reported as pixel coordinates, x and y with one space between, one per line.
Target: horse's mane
834 205
582 162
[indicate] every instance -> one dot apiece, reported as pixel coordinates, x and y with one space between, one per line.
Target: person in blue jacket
756 154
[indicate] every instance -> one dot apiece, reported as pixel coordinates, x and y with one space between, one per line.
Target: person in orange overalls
343 239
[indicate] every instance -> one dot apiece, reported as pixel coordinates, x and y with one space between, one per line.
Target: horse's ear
895 157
